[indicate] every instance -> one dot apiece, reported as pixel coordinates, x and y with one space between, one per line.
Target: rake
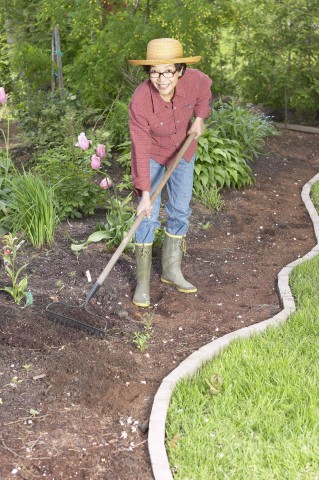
67 314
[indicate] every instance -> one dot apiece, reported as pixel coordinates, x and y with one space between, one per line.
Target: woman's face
165 86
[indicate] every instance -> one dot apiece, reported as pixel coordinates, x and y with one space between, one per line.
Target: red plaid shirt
159 128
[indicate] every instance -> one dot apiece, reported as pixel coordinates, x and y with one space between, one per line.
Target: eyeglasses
166 74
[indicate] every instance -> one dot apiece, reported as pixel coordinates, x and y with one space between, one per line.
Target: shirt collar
158 102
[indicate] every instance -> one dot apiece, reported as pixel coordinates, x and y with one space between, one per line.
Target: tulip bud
3 96
106 183
83 142
101 150
95 162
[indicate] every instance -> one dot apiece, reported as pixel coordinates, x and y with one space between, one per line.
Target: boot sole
183 290
144 305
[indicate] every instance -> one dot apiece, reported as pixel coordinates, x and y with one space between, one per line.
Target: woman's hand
197 127
145 204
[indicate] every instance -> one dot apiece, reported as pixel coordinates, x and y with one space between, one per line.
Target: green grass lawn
253 412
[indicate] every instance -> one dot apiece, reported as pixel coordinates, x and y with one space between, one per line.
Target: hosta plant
220 162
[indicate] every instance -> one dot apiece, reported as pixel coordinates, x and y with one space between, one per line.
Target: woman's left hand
197 127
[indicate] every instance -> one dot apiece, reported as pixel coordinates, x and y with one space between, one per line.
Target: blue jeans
179 189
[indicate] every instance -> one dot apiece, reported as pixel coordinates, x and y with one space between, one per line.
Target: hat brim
162 61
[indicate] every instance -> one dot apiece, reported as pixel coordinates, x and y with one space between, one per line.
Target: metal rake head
77 316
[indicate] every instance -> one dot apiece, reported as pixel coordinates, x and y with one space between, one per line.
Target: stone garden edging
156 435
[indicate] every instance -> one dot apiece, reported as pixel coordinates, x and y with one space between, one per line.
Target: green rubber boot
173 249
143 254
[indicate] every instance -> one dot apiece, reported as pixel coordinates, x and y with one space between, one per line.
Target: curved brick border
156 436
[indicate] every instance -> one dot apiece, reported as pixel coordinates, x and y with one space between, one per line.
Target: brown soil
93 395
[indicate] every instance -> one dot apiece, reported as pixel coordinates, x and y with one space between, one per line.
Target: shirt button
174 108
177 143
162 123
177 121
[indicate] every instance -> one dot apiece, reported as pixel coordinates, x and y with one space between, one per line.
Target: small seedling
33 412
14 382
142 339
72 276
60 285
18 287
205 226
27 367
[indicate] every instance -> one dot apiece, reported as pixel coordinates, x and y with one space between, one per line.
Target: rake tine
69 321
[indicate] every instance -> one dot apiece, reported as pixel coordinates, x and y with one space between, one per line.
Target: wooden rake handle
139 219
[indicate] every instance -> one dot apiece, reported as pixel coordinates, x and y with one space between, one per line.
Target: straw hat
164 50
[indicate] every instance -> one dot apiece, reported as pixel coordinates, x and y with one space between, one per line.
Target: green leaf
77 247
233 173
20 270
34 412
8 290
8 270
97 236
220 152
28 298
22 285
197 168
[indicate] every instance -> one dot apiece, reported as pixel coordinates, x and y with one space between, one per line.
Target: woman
164 109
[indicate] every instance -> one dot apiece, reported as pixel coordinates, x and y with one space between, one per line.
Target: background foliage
263 51
259 51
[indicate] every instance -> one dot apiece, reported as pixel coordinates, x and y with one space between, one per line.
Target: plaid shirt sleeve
141 148
202 106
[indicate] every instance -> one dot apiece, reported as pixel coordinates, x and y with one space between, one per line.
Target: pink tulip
83 142
3 96
95 162
101 150
106 183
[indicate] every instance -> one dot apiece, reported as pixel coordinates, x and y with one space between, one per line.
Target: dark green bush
76 192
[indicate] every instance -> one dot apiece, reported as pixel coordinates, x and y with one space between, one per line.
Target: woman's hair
179 67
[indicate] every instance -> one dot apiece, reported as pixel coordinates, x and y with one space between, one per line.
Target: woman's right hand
145 204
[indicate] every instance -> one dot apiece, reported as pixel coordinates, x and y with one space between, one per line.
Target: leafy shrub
124 158
76 193
159 238
117 122
119 219
33 65
220 162
31 209
50 121
238 122
96 71
235 136
4 60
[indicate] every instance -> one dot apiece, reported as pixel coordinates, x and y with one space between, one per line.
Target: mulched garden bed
93 396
